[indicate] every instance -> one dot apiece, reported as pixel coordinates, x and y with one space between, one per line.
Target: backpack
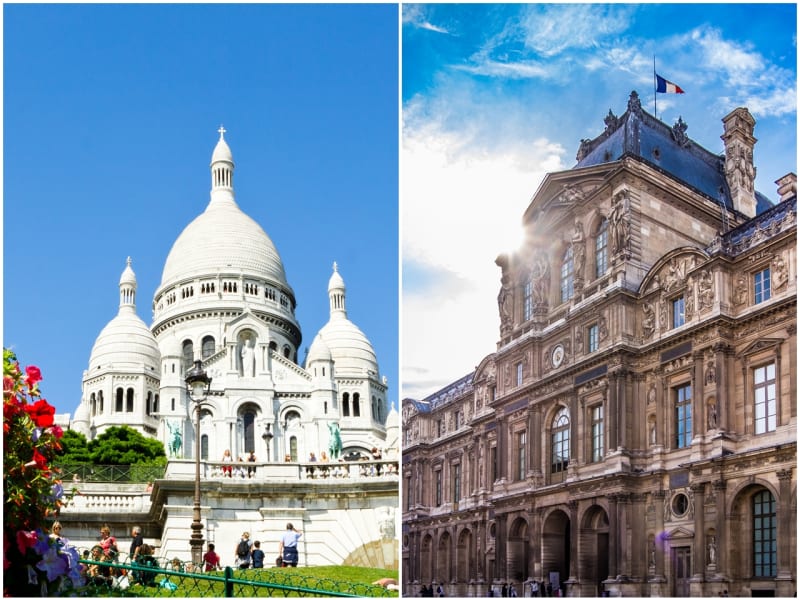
243 549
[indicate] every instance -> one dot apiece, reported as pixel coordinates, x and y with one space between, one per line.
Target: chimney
787 186
739 169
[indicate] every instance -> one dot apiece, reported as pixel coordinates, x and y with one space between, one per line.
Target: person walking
288 546
243 551
136 543
257 555
211 559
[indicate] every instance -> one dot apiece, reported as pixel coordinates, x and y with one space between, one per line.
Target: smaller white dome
336 282
128 276
319 351
221 151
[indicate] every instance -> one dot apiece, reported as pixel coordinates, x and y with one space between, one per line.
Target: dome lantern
221 169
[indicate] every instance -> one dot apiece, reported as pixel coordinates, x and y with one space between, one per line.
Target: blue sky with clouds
110 117
494 96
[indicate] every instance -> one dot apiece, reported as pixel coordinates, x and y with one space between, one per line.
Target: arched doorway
593 551
556 548
517 550
464 561
443 558
425 558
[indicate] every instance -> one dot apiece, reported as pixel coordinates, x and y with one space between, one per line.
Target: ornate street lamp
198 385
267 437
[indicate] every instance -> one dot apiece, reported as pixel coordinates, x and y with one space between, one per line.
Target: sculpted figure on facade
740 290
578 250
712 415
648 321
618 224
706 290
540 278
780 275
248 358
504 301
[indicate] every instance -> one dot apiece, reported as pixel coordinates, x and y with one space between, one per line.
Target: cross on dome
335 267
222 132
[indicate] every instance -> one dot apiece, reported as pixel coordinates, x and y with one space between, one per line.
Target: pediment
679 533
761 345
670 272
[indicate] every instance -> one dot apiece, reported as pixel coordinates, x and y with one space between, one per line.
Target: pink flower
34 375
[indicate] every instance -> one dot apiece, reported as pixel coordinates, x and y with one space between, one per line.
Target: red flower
41 412
34 375
25 540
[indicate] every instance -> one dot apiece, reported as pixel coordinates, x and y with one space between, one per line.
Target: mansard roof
444 396
639 134
768 224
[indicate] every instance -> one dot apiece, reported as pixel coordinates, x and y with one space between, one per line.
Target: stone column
500 546
574 576
699 546
536 545
536 437
613 435
623 548
698 408
722 524
622 408
791 393
784 524
658 501
502 448
613 537
721 352
480 549
641 553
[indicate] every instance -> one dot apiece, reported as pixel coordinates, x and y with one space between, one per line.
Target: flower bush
34 562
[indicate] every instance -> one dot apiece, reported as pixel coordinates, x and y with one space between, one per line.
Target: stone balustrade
288 471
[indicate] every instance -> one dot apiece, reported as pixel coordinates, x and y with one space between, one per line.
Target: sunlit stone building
634 433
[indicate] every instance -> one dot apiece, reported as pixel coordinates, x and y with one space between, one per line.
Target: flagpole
655 93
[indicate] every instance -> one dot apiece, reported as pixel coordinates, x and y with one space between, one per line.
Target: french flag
667 87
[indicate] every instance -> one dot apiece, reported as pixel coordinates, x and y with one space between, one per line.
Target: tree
74 449
126 446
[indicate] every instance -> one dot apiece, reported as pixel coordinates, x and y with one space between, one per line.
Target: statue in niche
578 250
652 432
711 373
712 415
540 278
649 320
712 550
618 224
651 394
248 358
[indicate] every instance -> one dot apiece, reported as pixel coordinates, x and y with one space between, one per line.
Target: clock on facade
558 355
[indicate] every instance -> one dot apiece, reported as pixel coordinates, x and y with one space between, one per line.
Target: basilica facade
634 433
225 300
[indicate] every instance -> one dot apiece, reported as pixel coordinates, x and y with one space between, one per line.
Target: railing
111 473
146 578
285 471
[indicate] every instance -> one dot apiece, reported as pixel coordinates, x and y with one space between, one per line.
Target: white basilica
224 299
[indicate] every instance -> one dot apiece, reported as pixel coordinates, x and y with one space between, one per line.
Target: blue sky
110 118
495 96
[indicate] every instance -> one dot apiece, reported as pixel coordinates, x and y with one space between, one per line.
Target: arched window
119 404
356 405
93 404
765 541
188 354
527 300
155 403
567 276
273 346
293 448
559 442
100 401
208 346
286 351
129 400
249 423
204 446
148 409
173 405
601 249
346 404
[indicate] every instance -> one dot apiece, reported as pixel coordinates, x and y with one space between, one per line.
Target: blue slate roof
638 133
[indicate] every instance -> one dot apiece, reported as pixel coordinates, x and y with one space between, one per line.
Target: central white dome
223 239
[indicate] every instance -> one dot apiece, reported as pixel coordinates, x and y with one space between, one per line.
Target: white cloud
414 14
463 195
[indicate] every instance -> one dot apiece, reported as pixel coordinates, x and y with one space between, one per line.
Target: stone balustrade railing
288 471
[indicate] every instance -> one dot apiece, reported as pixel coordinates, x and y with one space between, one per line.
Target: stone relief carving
578 340
504 304
740 290
779 272
711 373
706 290
651 394
602 328
540 277
634 104
712 415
